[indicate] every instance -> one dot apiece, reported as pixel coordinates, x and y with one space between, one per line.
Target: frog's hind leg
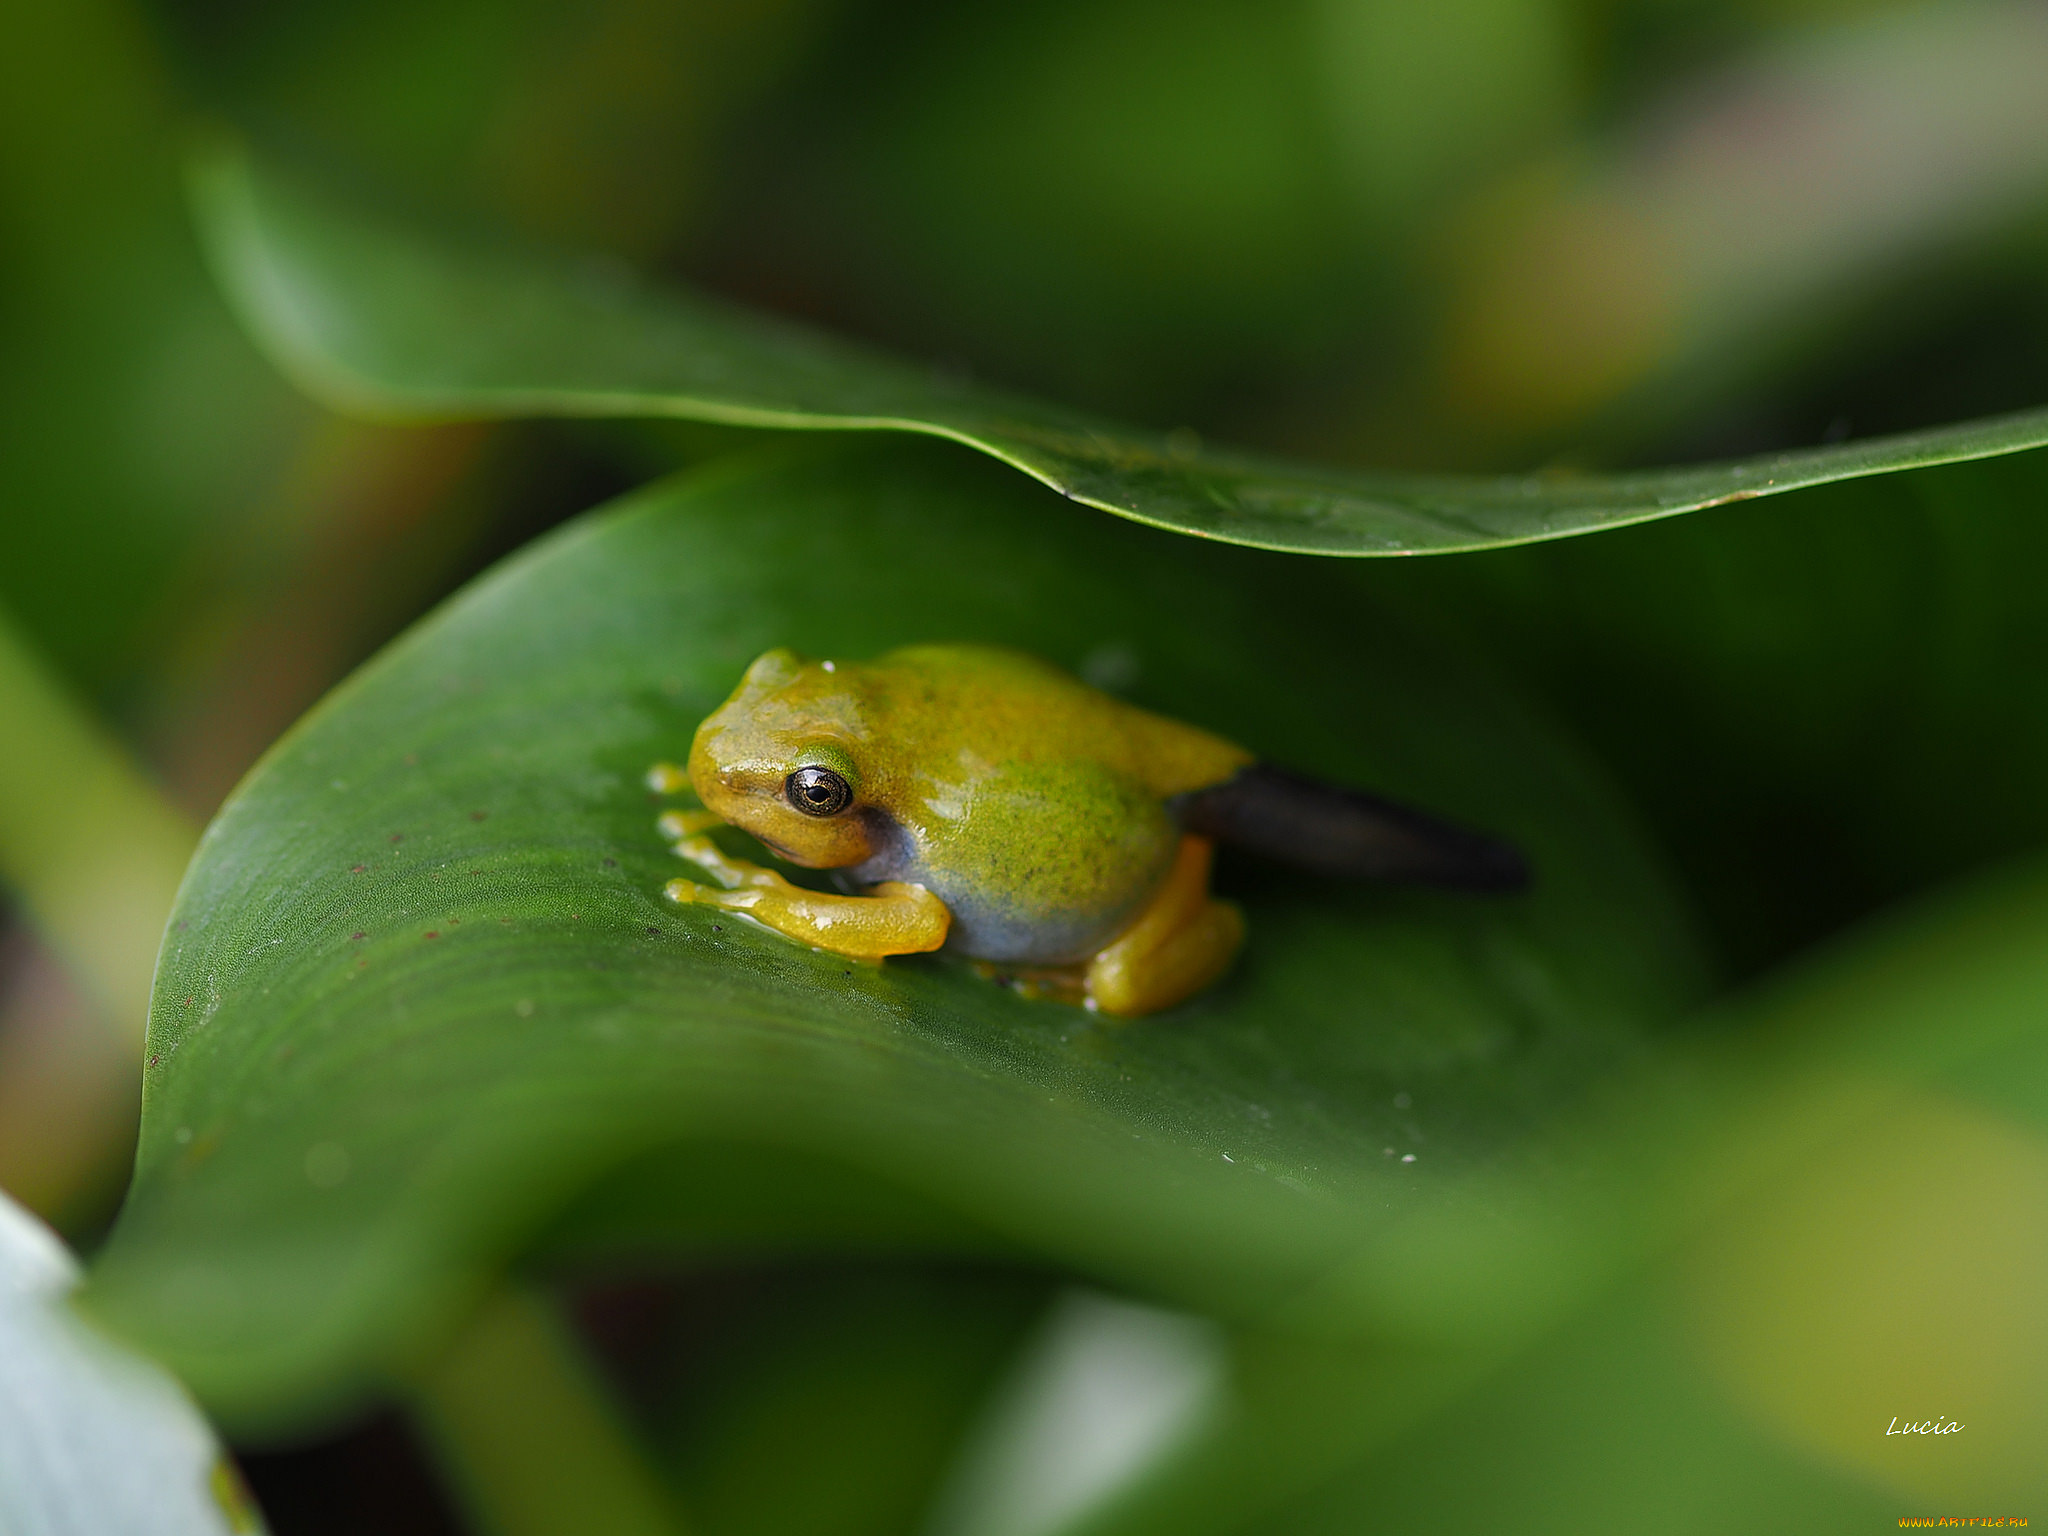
1182 941
896 919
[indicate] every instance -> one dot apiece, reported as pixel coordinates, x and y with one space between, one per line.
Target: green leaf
526 1434
1610 1425
1841 1192
829 1402
137 419
423 1005
375 317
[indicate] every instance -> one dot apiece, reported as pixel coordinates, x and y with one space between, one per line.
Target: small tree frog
977 798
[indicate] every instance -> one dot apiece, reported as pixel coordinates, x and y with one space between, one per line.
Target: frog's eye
817 791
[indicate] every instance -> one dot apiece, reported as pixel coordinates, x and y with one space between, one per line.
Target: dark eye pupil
818 792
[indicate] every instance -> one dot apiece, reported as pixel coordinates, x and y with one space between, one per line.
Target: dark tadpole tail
1348 833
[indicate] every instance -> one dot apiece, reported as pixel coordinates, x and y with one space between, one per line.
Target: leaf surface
1830 1195
375 317
423 1006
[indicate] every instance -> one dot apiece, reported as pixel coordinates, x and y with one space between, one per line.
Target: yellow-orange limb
677 825
894 919
1182 941
668 779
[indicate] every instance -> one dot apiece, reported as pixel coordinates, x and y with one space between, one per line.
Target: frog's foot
1182 941
894 919
669 779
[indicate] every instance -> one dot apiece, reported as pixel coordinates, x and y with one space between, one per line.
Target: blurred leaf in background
94 855
1807 196
1160 211
135 416
836 1399
597 125
185 544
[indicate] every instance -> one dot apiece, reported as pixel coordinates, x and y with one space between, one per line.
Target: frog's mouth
779 851
787 855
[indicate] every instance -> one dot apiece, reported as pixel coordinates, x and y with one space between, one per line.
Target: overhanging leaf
374 317
1822 707
422 996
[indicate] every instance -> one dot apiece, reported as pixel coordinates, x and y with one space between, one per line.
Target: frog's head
781 759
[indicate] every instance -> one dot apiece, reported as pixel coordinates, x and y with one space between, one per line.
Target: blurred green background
1479 234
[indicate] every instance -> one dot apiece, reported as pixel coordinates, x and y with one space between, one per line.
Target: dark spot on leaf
398 837
653 931
454 922
611 863
412 759
181 925
478 815
476 871
357 936
357 869
432 934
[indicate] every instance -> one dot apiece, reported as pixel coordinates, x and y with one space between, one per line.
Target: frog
978 799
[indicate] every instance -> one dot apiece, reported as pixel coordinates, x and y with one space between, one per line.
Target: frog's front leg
1182 941
894 919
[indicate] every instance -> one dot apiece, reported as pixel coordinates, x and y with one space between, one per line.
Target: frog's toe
733 874
667 779
677 825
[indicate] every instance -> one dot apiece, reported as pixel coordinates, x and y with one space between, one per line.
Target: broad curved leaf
374 317
423 1004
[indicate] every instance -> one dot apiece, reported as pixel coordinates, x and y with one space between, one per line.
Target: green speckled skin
1029 803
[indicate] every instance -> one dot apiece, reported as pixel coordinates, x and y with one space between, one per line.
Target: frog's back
1008 705
1030 803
